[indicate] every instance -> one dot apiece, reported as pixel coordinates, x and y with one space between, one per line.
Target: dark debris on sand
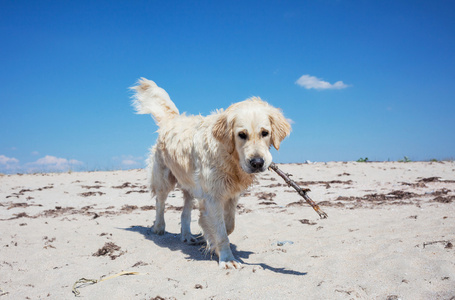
109 249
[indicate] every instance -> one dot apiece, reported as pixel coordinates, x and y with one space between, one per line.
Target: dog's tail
151 99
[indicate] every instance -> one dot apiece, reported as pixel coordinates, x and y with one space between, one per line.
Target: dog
213 159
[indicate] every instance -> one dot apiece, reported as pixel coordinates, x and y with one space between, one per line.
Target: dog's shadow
173 242
198 252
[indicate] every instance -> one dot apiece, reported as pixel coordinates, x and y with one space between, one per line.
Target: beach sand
390 234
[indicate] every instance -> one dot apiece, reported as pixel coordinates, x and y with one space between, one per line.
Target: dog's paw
193 240
157 229
231 264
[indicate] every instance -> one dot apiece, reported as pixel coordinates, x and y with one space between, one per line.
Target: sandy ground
389 235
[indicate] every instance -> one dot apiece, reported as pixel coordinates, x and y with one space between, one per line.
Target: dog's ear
280 128
222 131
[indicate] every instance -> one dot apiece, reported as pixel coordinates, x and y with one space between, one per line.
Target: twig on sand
302 192
84 281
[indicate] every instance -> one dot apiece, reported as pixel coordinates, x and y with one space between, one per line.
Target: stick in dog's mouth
302 192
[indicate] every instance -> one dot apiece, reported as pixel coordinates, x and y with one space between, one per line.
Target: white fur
211 158
151 99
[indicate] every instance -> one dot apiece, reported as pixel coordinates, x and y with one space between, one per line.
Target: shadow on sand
198 252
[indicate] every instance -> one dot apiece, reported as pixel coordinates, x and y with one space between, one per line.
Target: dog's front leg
229 214
214 227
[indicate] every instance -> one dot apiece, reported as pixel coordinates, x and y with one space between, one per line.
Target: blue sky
358 78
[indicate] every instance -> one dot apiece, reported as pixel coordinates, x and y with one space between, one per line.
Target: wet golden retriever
213 159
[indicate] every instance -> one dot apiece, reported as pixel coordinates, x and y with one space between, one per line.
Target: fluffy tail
151 99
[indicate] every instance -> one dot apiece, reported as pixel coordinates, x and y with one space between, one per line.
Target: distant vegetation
405 159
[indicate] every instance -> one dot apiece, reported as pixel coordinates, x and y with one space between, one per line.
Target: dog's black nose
257 163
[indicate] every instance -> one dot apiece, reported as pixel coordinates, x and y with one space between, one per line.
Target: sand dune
389 235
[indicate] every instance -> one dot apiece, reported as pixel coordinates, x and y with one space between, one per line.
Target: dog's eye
264 133
242 135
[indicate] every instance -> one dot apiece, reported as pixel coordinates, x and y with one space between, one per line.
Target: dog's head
248 129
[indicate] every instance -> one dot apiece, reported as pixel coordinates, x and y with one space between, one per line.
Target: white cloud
129 162
34 153
51 160
9 164
52 163
47 163
4 160
312 82
75 162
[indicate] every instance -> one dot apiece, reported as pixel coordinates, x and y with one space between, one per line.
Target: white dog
213 159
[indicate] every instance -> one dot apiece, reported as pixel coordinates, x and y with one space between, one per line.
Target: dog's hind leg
186 235
162 181
159 225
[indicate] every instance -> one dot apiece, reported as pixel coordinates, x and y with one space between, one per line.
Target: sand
390 235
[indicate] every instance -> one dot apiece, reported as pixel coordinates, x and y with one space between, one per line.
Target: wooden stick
302 192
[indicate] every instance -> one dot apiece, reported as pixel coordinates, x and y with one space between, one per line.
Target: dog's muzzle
256 164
